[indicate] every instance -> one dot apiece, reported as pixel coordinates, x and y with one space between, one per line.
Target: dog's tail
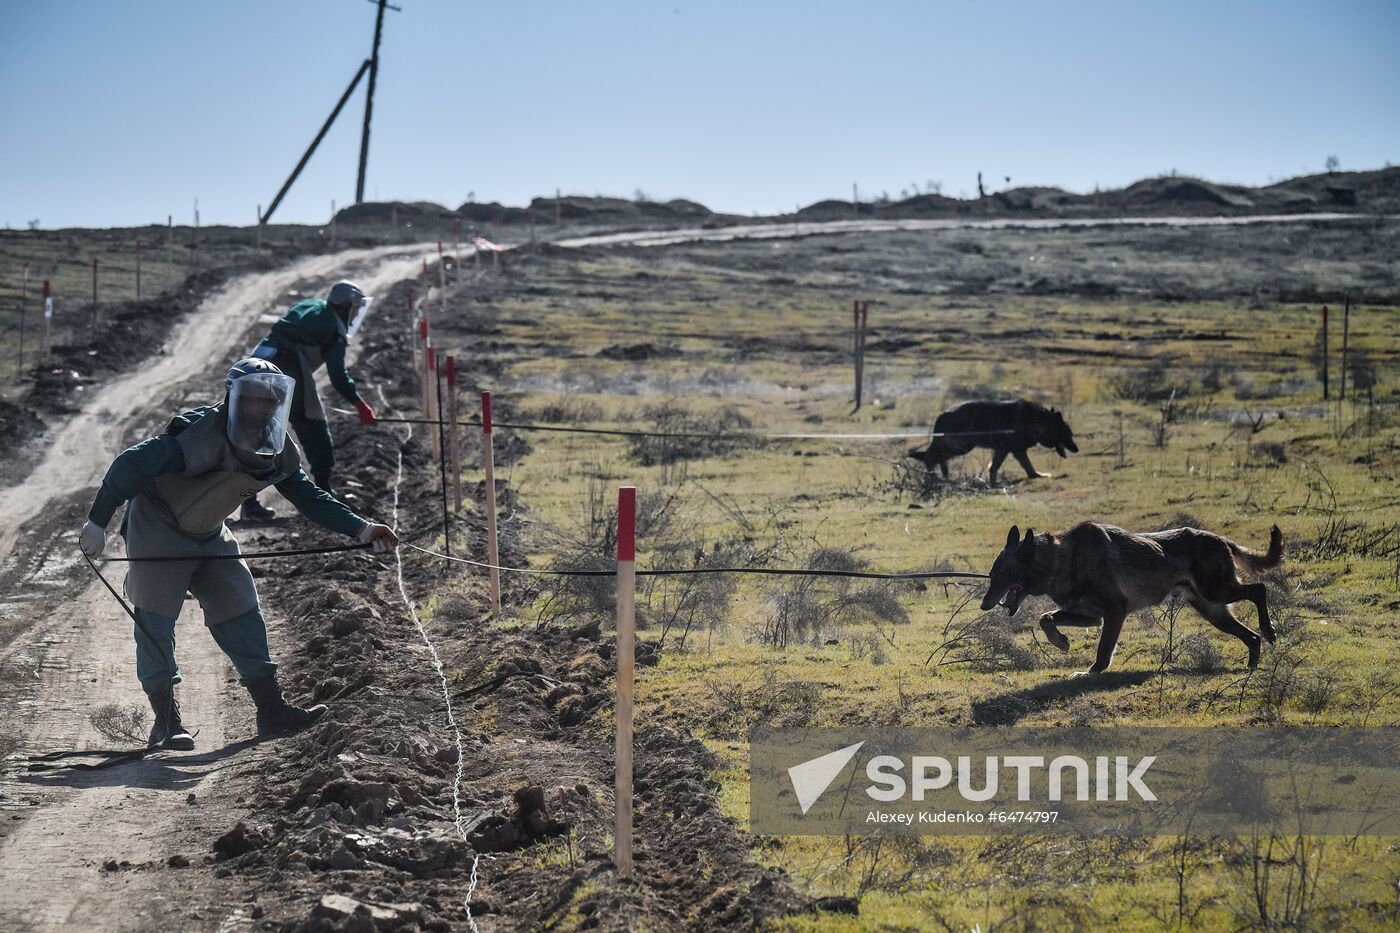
1253 560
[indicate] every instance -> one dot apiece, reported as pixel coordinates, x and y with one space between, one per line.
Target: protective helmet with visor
350 303
259 407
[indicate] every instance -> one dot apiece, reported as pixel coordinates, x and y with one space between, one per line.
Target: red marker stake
626 672
488 467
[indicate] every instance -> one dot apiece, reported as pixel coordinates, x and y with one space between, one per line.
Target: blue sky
121 112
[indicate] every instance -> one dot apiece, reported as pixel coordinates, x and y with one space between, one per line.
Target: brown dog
1097 574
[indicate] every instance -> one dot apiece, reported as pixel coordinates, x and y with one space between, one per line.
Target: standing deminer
312 334
181 486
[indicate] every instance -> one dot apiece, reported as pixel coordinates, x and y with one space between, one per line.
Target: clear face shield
258 408
358 311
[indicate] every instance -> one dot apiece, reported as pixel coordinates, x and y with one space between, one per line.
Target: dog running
1097 574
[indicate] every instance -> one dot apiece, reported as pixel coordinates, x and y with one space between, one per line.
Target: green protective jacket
312 325
135 470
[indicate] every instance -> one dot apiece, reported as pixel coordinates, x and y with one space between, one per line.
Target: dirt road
77 658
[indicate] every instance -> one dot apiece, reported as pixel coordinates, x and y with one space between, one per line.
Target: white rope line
457 820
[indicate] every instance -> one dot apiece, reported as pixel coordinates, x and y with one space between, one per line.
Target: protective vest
214 482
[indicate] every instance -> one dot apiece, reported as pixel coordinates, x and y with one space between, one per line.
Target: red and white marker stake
452 433
488 467
430 399
626 673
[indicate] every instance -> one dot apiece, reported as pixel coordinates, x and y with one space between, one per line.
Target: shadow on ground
1007 709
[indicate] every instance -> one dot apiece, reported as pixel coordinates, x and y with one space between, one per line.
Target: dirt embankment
1375 192
363 804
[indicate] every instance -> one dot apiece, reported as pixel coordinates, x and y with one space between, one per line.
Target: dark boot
275 714
255 511
167 731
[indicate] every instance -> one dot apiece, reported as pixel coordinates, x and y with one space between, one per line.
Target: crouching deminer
180 487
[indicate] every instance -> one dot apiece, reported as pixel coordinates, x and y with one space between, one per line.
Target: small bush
808 609
120 723
715 434
1199 654
567 410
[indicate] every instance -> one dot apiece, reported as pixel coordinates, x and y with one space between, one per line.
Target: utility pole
369 99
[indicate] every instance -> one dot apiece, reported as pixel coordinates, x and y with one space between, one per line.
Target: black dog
1011 427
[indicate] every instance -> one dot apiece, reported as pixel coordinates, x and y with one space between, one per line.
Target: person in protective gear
180 486
312 334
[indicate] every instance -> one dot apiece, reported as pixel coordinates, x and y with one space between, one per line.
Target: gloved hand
92 539
365 412
381 536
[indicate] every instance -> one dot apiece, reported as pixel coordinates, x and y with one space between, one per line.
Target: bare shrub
992 647
715 434
681 605
760 699
593 548
807 608
1278 882
1199 654
567 410
1269 454
120 723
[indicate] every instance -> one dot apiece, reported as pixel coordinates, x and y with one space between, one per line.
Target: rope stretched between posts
697 435
769 571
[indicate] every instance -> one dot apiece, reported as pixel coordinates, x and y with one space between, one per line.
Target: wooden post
1346 327
424 342
457 249
855 348
626 659
413 338
442 454
138 268
430 397
23 308
1324 353
864 318
452 431
442 277
94 294
488 467
48 319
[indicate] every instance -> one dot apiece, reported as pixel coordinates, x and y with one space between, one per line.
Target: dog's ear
1026 552
1013 537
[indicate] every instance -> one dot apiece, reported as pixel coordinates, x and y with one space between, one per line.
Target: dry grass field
1185 363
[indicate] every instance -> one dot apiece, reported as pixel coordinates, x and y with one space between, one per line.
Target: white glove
382 537
92 539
